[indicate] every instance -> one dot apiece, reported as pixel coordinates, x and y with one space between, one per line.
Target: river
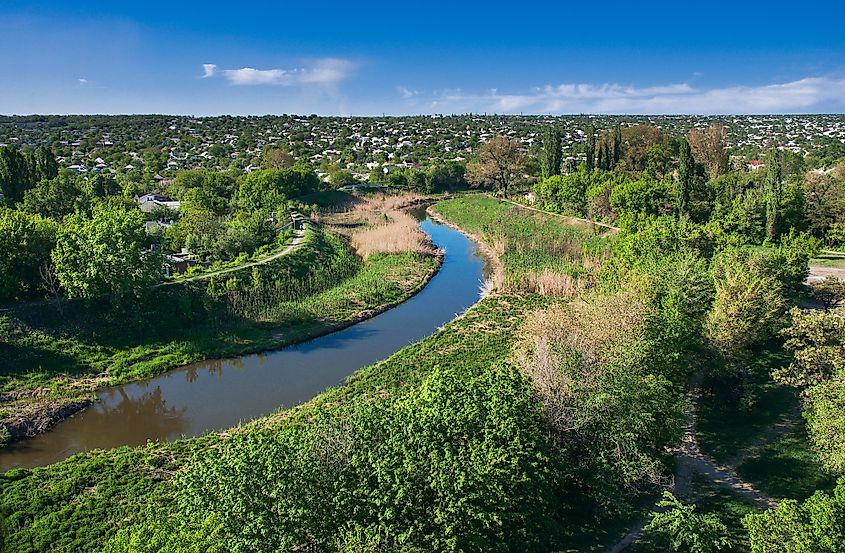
219 394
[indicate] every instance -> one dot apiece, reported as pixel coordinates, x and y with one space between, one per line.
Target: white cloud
406 92
326 71
82 80
800 95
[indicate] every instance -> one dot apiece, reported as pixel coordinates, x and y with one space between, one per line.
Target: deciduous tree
710 148
501 162
552 153
25 244
105 253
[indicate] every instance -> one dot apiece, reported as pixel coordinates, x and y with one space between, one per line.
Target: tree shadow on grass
788 468
17 360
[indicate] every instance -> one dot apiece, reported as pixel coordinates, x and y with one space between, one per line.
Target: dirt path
297 240
572 220
689 460
818 273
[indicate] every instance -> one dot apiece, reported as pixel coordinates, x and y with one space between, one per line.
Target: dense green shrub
25 244
815 526
461 464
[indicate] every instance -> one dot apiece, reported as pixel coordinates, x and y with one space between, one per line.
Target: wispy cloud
325 71
800 95
82 80
406 92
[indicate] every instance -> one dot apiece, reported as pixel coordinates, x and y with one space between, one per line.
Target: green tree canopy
25 244
55 198
16 175
681 528
639 200
272 188
105 253
815 526
501 163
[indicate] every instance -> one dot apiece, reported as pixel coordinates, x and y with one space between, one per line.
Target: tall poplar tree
590 147
552 153
606 155
686 173
774 182
600 156
617 144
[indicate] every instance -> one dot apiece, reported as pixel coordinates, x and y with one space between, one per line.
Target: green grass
779 463
71 505
787 468
828 261
725 427
531 242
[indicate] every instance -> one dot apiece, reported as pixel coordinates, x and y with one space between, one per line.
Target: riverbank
56 363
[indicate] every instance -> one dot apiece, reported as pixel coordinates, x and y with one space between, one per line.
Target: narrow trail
818 273
297 240
689 460
589 222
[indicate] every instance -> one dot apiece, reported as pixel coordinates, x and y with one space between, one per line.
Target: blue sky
369 58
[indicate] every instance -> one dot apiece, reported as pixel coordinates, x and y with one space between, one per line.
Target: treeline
635 174
440 176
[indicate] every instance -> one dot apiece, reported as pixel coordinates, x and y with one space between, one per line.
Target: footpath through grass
766 443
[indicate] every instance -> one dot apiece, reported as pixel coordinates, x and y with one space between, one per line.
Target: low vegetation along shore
57 354
552 416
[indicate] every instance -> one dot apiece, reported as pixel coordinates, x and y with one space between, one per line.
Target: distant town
155 148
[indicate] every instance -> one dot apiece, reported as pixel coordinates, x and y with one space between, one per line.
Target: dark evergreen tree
774 182
15 174
552 153
590 147
605 155
686 174
617 144
46 166
600 156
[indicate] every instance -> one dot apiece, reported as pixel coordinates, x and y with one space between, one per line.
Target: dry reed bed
398 233
378 224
